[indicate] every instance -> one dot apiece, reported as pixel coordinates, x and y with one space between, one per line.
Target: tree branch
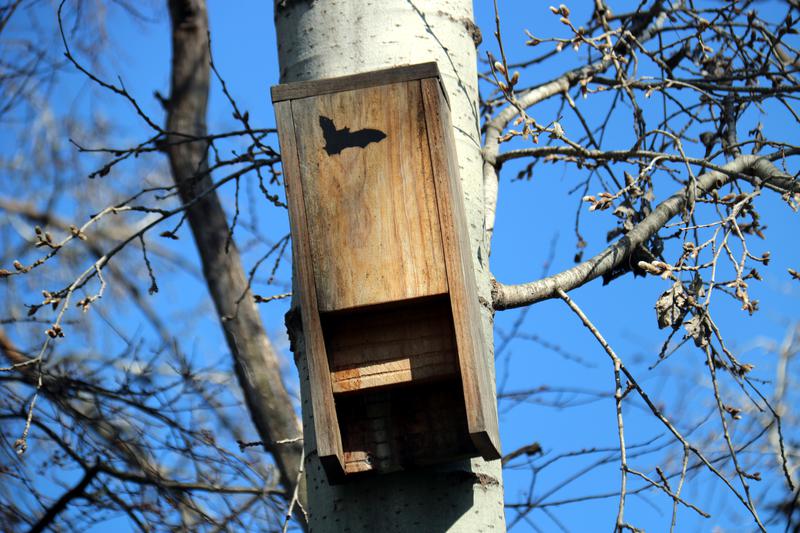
652 19
756 169
63 501
255 359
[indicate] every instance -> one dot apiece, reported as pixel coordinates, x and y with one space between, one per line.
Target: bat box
398 368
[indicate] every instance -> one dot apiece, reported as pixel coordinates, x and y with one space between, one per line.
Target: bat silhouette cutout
338 140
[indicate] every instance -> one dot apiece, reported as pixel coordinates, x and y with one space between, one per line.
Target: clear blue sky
534 218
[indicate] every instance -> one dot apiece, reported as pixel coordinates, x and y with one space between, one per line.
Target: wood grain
375 234
391 345
326 424
404 427
399 371
478 383
303 89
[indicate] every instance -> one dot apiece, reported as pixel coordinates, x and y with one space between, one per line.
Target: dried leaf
698 329
671 306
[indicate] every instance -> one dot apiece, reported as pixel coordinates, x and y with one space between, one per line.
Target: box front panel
369 197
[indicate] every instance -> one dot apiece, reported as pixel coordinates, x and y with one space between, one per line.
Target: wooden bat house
398 368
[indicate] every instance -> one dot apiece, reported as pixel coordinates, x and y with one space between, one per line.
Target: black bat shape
338 140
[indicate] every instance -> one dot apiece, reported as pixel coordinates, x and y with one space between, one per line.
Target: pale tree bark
255 359
327 38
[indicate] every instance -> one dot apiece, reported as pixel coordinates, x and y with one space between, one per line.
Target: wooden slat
326 425
304 89
406 427
419 368
390 345
375 234
473 360
389 325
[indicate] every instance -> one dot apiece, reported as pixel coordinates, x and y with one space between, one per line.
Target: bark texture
255 360
327 38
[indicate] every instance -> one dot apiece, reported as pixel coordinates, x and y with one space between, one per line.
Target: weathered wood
404 427
375 234
394 344
478 383
303 89
398 367
326 425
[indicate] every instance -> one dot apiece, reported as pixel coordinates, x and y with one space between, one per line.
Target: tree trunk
255 360
326 38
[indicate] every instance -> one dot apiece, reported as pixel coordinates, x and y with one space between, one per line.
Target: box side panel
326 425
369 196
473 355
